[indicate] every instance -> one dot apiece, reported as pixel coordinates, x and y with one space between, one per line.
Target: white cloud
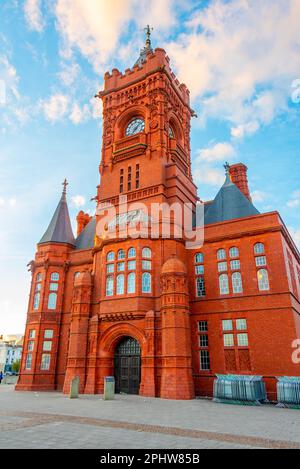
94 27
79 114
207 175
294 202
240 58
259 196
69 73
78 201
56 107
218 152
33 15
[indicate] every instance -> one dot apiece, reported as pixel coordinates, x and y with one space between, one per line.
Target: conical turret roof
60 229
229 204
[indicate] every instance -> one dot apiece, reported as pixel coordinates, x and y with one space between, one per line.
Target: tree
16 366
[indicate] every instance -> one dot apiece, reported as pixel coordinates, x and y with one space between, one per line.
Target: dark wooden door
128 366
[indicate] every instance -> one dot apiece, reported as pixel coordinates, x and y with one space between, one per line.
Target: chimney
82 220
238 175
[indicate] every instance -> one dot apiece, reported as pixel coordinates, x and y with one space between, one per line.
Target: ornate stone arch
115 333
125 118
177 127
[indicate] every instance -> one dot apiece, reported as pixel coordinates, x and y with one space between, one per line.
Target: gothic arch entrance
128 366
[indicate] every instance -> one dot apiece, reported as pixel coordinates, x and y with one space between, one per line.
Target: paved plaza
52 420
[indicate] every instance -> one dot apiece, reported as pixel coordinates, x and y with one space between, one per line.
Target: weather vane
148 36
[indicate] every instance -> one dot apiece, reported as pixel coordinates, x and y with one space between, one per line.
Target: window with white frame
131 253
237 285
222 266
45 363
235 265
109 286
30 346
146 282
242 340
47 345
227 325
199 271
52 298
241 324
110 257
37 291
146 253
234 252
224 284
32 334
261 261
120 284
131 283
259 248
263 280
121 254
28 361
221 254
228 340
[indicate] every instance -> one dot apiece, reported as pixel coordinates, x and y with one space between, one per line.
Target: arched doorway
128 366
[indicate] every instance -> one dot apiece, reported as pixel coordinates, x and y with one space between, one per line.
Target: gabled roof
230 203
86 238
60 229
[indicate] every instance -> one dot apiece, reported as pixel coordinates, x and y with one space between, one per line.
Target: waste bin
109 388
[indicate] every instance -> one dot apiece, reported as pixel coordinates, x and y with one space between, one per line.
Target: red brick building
162 318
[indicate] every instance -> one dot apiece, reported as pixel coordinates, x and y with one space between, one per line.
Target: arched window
110 256
76 275
109 286
234 252
131 253
121 254
224 284
237 285
120 284
259 248
263 280
36 301
146 253
131 283
221 254
54 277
171 132
199 258
146 282
52 300
39 277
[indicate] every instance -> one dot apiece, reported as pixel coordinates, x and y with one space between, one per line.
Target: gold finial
148 36
65 184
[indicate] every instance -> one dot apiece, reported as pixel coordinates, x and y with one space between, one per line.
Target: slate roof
229 204
86 238
60 229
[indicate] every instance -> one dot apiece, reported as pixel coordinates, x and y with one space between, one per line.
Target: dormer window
135 126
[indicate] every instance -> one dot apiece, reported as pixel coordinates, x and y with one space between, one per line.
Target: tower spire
148 37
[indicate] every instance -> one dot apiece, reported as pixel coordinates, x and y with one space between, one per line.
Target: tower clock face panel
136 126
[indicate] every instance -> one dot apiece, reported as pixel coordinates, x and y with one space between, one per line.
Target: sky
240 60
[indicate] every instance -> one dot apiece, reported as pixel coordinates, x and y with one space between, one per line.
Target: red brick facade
181 334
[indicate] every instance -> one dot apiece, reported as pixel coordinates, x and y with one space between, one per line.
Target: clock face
136 126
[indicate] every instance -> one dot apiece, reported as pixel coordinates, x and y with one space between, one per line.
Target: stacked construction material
239 389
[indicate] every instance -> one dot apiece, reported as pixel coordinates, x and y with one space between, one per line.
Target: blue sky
240 59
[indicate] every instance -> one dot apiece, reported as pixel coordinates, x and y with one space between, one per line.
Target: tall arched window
259 248
233 252
263 280
54 277
131 283
221 254
146 253
131 253
110 256
52 301
146 282
120 284
224 284
37 290
121 254
237 285
199 258
109 286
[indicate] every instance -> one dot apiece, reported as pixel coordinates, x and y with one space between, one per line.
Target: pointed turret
60 229
229 204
